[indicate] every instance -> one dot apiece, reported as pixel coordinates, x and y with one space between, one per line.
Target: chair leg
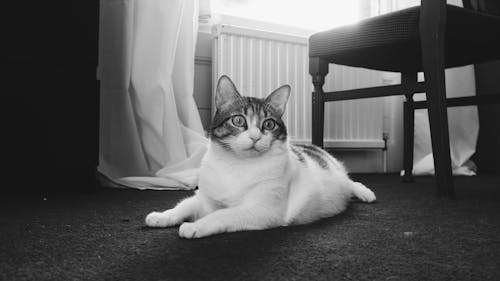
318 68
433 62
408 132
409 81
438 121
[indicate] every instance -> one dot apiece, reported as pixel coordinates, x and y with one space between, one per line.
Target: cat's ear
278 99
226 92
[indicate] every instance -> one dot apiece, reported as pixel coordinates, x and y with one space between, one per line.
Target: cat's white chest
228 181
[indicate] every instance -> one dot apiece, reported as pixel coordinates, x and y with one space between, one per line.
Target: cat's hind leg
362 192
187 209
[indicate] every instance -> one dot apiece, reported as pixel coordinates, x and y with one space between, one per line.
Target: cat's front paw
158 219
369 196
190 230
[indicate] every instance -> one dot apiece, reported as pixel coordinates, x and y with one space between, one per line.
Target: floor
409 234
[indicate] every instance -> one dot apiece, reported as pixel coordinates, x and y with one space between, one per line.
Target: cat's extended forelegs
230 220
187 209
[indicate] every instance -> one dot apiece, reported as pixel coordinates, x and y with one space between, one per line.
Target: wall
203 76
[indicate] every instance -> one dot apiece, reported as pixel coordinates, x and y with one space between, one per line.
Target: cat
252 178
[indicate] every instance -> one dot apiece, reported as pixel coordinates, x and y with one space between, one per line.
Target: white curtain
463 122
150 130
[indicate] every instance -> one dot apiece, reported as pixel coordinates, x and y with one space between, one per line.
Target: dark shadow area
50 94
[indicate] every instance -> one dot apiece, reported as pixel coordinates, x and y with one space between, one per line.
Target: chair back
491 7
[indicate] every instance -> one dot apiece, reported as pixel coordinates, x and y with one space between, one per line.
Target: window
312 15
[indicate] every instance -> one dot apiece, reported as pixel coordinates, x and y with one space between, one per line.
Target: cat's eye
269 124
238 121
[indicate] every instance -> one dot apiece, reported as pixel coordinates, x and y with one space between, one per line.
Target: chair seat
391 42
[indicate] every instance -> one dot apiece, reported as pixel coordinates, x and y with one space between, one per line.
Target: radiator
259 61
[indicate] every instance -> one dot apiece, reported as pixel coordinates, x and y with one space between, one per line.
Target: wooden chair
428 38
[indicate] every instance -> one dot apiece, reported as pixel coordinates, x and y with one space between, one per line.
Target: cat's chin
276 148
251 152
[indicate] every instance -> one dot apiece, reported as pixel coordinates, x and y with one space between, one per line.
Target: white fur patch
264 190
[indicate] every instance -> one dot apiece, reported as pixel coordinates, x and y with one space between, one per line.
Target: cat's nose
254 134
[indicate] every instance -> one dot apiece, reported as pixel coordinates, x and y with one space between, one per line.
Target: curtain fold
150 130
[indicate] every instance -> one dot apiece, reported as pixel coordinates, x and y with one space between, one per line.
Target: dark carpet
409 234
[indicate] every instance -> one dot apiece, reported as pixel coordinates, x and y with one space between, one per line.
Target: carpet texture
409 234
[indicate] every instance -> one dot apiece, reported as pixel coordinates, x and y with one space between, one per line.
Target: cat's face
247 126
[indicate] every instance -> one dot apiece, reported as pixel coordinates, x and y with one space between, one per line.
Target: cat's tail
362 192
